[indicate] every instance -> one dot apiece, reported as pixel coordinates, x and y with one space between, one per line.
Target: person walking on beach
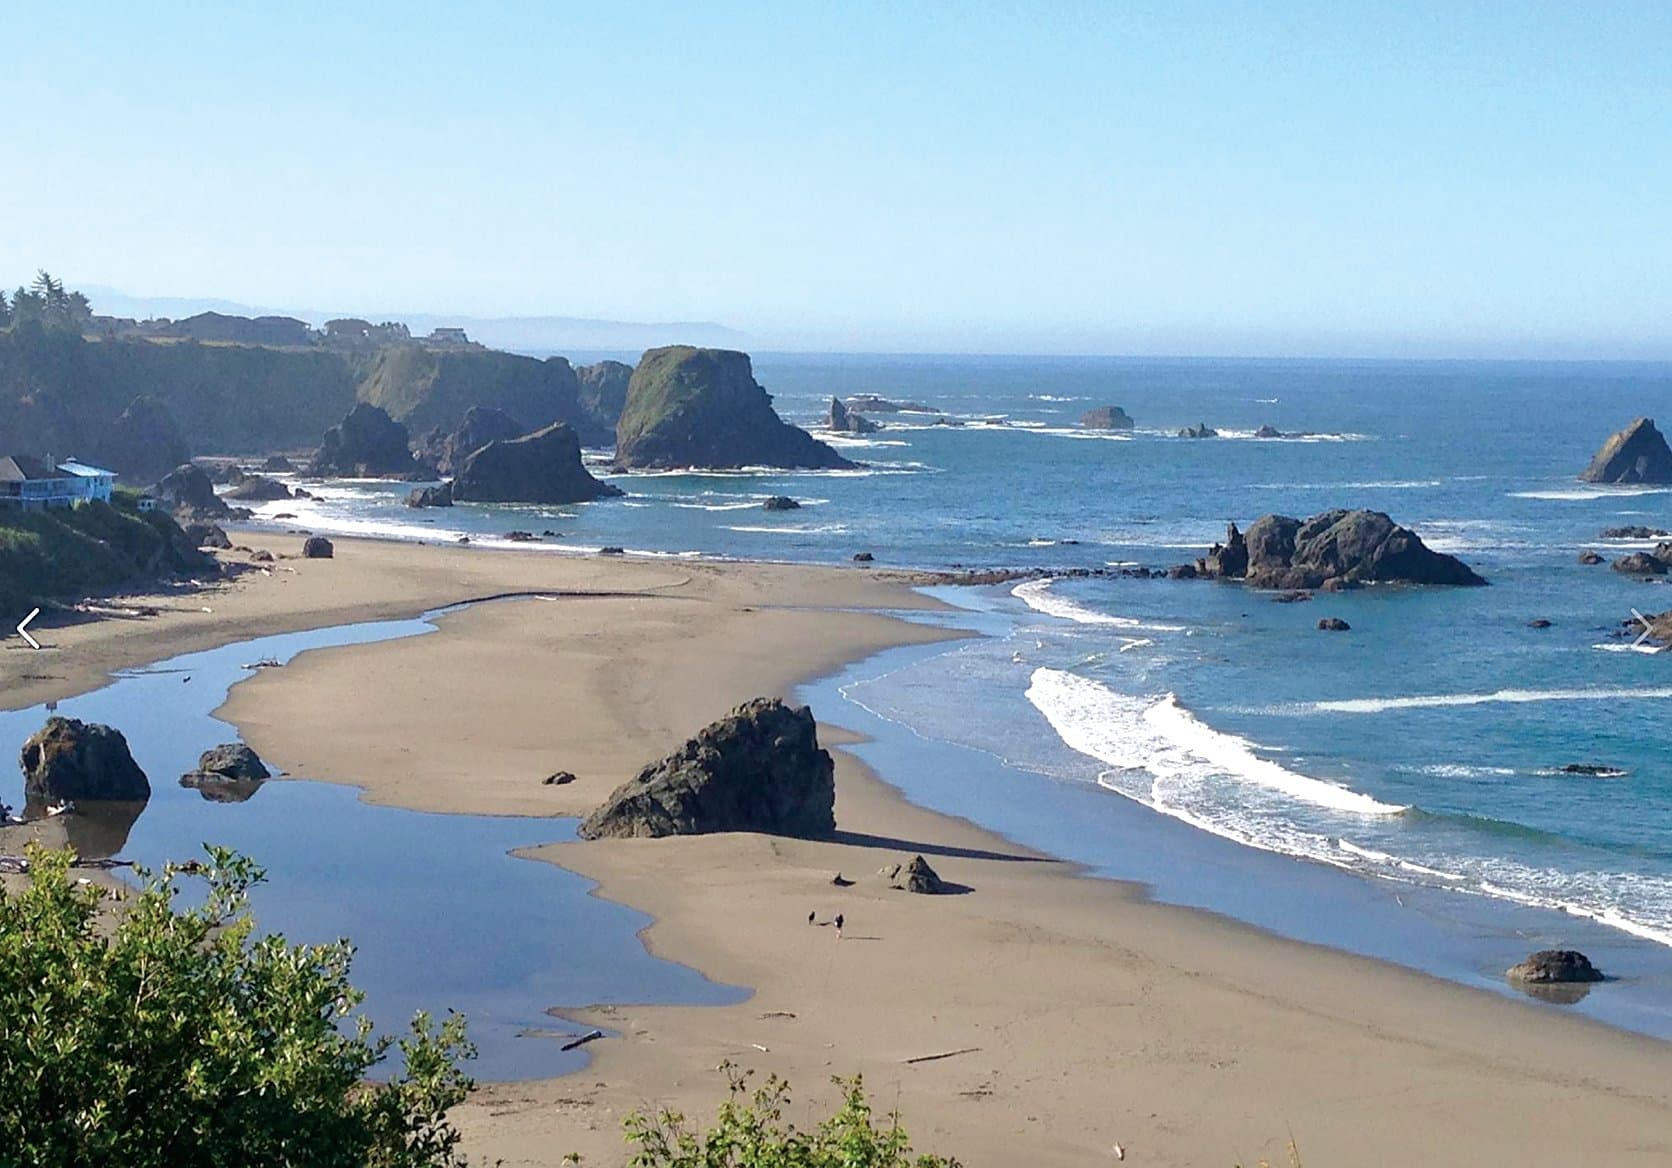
838 923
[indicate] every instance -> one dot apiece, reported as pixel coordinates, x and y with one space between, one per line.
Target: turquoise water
1420 752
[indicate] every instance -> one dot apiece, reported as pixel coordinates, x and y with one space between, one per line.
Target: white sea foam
1502 696
1585 494
1162 737
1051 397
790 529
1037 595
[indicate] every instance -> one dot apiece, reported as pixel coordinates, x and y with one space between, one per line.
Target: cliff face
143 443
425 388
604 390
703 408
61 394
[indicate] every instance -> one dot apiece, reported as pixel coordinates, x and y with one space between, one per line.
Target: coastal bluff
690 407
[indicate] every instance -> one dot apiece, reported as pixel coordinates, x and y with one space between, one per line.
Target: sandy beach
1073 1015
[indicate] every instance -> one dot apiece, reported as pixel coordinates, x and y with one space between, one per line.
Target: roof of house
83 470
17 468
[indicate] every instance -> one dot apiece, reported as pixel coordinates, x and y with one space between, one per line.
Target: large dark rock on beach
1549 966
187 491
1637 454
760 768
367 443
82 762
446 450
317 547
689 407
914 875
1335 549
542 467
1106 418
233 760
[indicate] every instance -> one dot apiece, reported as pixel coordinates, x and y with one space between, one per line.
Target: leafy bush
750 1132
155 1035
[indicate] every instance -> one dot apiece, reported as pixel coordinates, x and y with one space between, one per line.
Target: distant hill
500 332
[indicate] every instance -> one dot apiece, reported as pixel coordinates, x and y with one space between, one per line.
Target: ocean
1418 757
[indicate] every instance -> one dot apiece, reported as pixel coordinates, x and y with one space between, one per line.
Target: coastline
1100 1017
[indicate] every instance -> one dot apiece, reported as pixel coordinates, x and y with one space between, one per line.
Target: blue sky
1183 178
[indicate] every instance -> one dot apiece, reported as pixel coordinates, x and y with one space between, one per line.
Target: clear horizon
1302 181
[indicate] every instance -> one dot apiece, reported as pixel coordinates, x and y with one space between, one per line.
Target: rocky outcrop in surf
436 496
689 407
367 443
1203 430
1336 549
1637 454
446 450
1106 418
258 489
842 420
187 491
1554 966
81 762
760 768
542 467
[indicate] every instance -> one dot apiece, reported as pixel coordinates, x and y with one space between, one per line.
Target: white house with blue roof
33 483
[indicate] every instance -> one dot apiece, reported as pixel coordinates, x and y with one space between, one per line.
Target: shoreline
1101 1016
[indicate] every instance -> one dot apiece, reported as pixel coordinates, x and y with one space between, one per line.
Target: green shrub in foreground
750 1132
160 1036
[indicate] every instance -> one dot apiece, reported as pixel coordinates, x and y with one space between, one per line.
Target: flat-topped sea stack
760 768
1337 549
689 407
1106 418
1637 454
542 467
368 443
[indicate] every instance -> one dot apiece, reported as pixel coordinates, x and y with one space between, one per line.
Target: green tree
750 1132
145 1035
5 310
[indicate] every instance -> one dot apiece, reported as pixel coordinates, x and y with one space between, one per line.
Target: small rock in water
1182 572
1539 623
1589 559
1640 564
1333 624
612 551
1294 596
520 536
1594 769
863 557
780 503
1555 965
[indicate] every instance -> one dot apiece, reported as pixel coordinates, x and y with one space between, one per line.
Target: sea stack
690 407
1106 418
542 467
368 443
1337 549
1637 454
